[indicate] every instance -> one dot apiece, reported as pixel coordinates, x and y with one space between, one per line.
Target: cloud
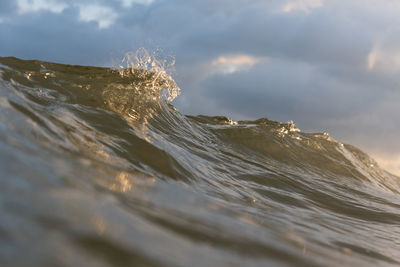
103 15
129 3
385 60
25 6
372 57
233 63
302 5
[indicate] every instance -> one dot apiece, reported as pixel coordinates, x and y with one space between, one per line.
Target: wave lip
99 164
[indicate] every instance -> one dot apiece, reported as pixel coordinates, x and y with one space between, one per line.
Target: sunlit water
97 169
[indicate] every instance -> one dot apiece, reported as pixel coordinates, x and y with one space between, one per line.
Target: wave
99 165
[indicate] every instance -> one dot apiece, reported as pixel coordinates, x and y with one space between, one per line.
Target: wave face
98 169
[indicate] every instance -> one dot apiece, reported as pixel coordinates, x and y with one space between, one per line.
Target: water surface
98 169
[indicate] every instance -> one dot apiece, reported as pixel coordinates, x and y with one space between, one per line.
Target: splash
141 62
146 83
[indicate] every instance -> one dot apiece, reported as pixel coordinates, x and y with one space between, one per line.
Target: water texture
98 169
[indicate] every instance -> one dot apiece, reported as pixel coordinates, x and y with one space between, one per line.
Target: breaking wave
100 169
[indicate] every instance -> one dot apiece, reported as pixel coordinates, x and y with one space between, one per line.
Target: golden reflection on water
100 224
125 182
122 183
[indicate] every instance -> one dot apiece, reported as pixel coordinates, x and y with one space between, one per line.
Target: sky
328 65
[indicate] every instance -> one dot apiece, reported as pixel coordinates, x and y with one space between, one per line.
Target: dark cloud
61 37
287 90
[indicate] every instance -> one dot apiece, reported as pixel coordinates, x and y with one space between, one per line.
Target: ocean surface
97 168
